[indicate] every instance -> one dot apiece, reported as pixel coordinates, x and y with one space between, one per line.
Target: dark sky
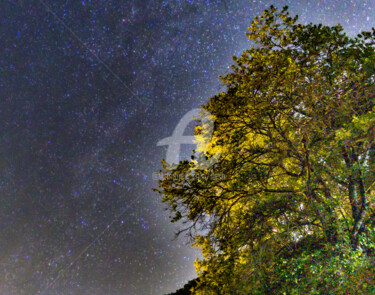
87 89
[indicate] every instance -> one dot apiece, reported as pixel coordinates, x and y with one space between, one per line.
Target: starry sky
87 89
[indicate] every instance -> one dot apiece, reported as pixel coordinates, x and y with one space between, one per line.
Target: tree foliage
294 210
186 290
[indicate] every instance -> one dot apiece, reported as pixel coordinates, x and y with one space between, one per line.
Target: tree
295 127
186 290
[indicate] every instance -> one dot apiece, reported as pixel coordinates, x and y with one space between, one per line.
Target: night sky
87 89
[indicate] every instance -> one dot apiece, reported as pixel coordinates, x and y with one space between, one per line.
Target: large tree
293 211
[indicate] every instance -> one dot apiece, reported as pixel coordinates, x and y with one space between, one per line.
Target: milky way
87 90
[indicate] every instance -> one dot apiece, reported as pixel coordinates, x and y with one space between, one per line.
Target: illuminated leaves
295 130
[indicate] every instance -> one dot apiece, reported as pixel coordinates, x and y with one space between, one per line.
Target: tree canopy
293 212
186 289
